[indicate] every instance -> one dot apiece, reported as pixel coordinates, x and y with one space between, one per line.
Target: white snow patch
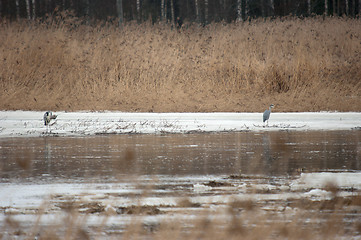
321 179
318 194
201 188
30 123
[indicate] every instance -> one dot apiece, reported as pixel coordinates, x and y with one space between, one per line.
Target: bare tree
87 8
17 9
34 9
206 11
326 8
138 10
162 12
309 7
272 3
196 3
239 10
246 9
347 7
28 9
119 4
334 7
172 11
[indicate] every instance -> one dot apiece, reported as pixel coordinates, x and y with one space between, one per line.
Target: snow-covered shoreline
30 123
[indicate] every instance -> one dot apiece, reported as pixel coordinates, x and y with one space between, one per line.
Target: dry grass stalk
299 65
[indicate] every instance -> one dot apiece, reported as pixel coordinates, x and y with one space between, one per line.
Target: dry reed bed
299 65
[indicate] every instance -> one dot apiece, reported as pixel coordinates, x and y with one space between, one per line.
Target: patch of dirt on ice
139 210
82 207
217 184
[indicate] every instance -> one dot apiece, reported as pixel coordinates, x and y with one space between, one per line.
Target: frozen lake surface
303 167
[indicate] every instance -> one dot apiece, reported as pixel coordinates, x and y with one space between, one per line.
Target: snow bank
322 179
30 123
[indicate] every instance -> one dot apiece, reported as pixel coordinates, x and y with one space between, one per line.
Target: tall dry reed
299 65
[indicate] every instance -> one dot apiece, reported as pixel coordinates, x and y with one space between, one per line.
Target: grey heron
48 116
267 113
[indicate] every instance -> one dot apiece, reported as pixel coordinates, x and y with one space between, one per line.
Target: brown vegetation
300 218
298 65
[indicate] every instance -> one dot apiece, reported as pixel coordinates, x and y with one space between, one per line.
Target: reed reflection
107 158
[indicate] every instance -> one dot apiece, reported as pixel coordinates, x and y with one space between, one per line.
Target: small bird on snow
267 113
48 116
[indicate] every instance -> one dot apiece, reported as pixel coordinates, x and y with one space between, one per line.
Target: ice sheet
30 123
308 185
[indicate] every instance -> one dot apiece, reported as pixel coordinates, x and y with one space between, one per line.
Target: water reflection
104 158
